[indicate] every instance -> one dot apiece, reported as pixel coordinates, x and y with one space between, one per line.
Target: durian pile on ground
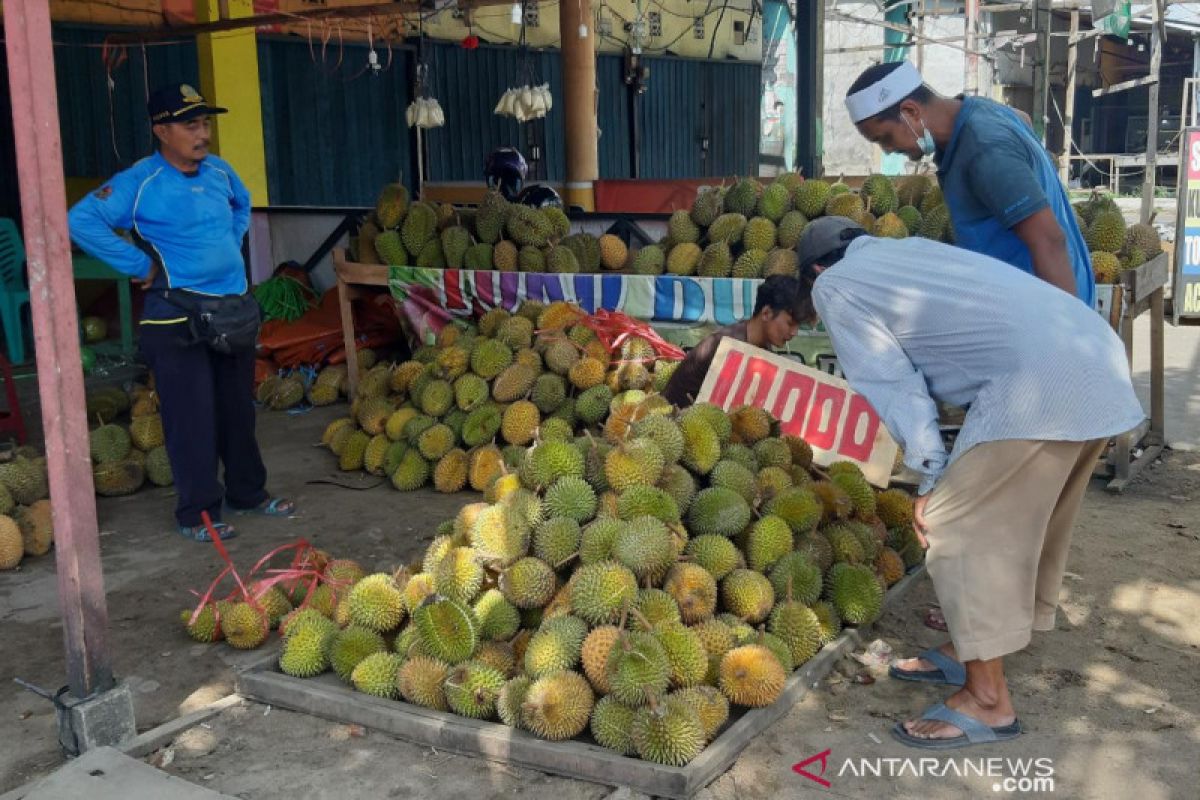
445 416
127 456
1114 247
292 388
632 586
26 528
744 231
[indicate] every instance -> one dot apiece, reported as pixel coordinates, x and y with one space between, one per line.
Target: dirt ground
1112 696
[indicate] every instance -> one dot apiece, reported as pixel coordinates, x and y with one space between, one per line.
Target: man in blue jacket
186 212
1002 190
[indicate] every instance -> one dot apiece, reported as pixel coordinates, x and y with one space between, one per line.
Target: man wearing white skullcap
999 184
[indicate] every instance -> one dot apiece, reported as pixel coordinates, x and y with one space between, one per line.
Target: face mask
924 139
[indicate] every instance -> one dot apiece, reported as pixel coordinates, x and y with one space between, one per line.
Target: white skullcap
884 93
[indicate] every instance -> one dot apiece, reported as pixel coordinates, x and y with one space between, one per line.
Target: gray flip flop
973 731
949 671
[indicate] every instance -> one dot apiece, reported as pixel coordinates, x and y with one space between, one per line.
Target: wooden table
351 278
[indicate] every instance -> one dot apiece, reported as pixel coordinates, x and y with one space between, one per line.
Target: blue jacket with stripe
193 223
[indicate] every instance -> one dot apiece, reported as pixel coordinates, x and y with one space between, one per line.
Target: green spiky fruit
499 535
473 688
847 547
708 205
556 645
894 507
911 217
680 485
797 575
844 205
684 259
733 475
657 605
810 198
592 405
855 593
447 630
711 706
890 226
668 732
459 575
510 699
776 200
639 501
685 652
376 674
350 646
419 227
548 462
1106 232
645 545
560 223
742 197
681 228
389 246
716 261
420 680
600 591
716 554
694 590
638 462
769 540
528 583
612 724
880 194
637 668
556 539
490 357
798 627
549 391
748 595
376 603
109 443
479 256
557 705
498 618
596 543
862 496
829 623
798 507
570 497
718 510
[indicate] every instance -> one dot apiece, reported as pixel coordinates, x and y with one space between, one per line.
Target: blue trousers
207 406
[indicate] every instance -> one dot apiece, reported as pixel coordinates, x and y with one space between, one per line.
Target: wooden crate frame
329 698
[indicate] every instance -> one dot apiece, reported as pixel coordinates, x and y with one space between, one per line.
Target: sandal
199 533
935 619
973 731
272 507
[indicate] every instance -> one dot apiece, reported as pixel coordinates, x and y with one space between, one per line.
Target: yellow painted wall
229 78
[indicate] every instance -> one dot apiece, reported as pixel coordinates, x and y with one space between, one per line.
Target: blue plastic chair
14 294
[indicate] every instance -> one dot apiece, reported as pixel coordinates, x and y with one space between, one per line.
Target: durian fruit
528 583
612 725
613 252
796 575
519 422
412 472
638 462
855 593
668 732
862 496
716 554
683 259
601 591
450 474
556 540
798 627
1106 233
594 653
701 444
376 674
37 527
12 545
637 668
420 680
694 590
711 706
572 497
115 479
718 510
748 595
557 645
742 197
499 619
558 705
716 261
376 603
350 646
769 540
1106 267
498 655
686 654
391 205
880 194
459 575
835 503
108 443
889 565
446 629
894 508
828 620
645 545
244 626
510 700
205 629
304 653
752 676
810 197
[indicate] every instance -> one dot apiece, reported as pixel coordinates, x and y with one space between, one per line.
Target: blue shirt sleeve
1004 182
878 368
94 220
239 199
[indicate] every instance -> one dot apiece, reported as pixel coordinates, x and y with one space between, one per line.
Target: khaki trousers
1000 523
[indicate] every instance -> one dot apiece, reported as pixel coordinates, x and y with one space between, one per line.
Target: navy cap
825 235
178 102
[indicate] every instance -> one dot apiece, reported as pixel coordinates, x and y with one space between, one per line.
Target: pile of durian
462 410
633 586
26 527
1114 247
746 230
127 455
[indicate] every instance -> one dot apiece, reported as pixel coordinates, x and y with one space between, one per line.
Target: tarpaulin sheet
650 197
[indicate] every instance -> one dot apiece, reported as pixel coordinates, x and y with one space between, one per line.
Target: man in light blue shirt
187 212
1046 382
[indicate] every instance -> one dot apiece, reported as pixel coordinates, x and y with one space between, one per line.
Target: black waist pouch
226 323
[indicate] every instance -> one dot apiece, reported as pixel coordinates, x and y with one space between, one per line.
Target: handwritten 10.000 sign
839 423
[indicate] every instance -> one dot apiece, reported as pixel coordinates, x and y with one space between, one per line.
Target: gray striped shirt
915 322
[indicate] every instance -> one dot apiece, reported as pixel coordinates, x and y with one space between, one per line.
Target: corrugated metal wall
468 84
332 137
612 117
102 134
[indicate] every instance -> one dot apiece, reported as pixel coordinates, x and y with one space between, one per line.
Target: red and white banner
839 423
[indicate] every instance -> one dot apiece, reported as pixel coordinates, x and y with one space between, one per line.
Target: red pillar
60 375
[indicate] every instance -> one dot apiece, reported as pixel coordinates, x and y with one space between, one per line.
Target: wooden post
1064 168
579 103
971 79
1149 176
56 339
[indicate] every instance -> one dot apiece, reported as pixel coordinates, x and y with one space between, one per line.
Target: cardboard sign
1187 229
839 423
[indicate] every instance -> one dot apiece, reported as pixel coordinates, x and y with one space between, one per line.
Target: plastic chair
14 294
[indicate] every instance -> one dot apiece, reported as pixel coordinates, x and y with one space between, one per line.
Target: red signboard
839 423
